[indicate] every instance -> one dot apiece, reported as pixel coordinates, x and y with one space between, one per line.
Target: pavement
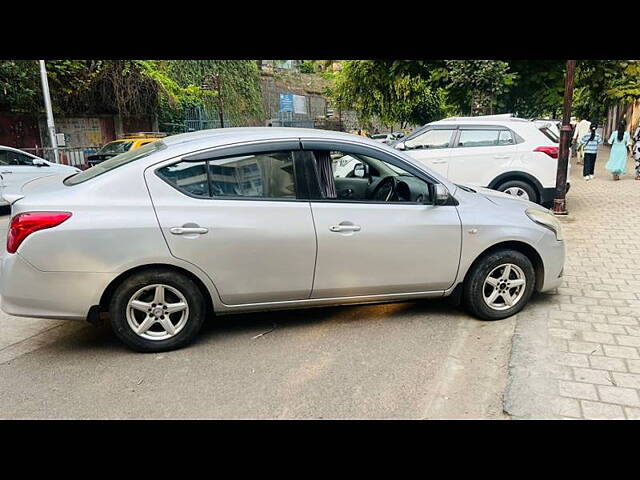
573 353
576 353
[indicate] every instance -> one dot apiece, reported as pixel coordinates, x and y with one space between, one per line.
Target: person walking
589 143
582 128
619 141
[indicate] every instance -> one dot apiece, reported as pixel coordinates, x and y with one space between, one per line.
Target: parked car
18 167
127 142
248 219
508 154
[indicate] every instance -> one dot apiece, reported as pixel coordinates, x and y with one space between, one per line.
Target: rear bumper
29 292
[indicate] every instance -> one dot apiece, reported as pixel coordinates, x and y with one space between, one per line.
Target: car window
478 138
188 177
9 157
261 175
436 138
506 138
550 134
363 178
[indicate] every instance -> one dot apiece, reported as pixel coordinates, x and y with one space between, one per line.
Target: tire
179 293
519 185
477 290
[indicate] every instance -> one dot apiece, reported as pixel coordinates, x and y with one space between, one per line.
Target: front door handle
344 228
188 230
501 157
439 162
6 172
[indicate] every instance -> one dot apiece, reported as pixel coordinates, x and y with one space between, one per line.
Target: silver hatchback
249 219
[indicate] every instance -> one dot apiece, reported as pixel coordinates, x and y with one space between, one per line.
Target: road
407 360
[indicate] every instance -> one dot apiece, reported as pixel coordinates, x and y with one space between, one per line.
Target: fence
75 156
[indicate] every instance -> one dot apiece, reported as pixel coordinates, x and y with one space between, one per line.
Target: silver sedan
248 219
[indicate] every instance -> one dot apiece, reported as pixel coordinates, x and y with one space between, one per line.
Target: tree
374 88
474 85
538 89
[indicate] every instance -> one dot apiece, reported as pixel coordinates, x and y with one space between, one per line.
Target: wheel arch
517 175
105 299
526 249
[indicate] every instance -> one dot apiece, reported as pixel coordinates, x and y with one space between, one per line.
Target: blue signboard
286 102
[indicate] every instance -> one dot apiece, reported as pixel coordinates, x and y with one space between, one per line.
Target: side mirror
360 170
38 162
438 193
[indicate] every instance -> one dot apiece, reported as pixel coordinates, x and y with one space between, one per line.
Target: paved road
405 360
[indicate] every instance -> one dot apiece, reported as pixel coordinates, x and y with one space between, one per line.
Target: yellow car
123 144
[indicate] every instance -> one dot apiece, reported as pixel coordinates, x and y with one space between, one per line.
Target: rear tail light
24 224
551 151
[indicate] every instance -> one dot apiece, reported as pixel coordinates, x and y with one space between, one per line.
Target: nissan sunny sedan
233 220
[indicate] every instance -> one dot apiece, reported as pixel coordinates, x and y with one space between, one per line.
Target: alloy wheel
504 286
157 312
517 192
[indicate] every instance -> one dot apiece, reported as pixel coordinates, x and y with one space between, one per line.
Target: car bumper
553 255
29 292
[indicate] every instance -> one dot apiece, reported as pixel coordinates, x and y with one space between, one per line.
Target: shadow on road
101 338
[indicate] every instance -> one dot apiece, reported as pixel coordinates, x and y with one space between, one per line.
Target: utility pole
47 105
560 203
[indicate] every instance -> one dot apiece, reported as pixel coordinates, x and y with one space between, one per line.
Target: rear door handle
439 162
502 157
188 230
6 172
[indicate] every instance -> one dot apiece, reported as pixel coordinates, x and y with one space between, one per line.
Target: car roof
222 136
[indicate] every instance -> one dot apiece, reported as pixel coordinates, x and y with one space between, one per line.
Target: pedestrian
582 128
619 141
636 152
589 143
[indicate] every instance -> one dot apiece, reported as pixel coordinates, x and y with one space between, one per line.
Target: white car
18 167
512 155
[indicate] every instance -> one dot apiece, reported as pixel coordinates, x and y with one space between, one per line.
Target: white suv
512 155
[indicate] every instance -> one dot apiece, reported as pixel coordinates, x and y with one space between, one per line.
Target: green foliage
474 85
134 87
383 89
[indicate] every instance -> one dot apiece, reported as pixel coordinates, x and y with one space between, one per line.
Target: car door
432 147
17 168
371 247
236 214
480 154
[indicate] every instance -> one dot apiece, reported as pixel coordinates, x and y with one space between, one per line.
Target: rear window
116 147
114 162
550 134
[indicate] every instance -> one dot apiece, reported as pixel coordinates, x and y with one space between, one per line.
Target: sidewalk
592 324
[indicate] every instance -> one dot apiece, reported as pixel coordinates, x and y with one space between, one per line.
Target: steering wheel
386 189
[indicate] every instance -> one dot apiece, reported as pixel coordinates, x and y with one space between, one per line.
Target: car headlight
547 220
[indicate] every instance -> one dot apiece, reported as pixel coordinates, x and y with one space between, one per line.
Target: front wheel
499 285
519 189
157 310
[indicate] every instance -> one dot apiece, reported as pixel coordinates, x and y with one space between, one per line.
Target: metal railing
75 156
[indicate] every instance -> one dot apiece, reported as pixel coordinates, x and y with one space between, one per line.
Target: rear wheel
499 285
157 310
519 189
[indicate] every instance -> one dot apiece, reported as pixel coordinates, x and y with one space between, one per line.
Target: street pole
560 203
47 105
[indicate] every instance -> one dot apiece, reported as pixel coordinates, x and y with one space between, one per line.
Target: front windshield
115 162
116 147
